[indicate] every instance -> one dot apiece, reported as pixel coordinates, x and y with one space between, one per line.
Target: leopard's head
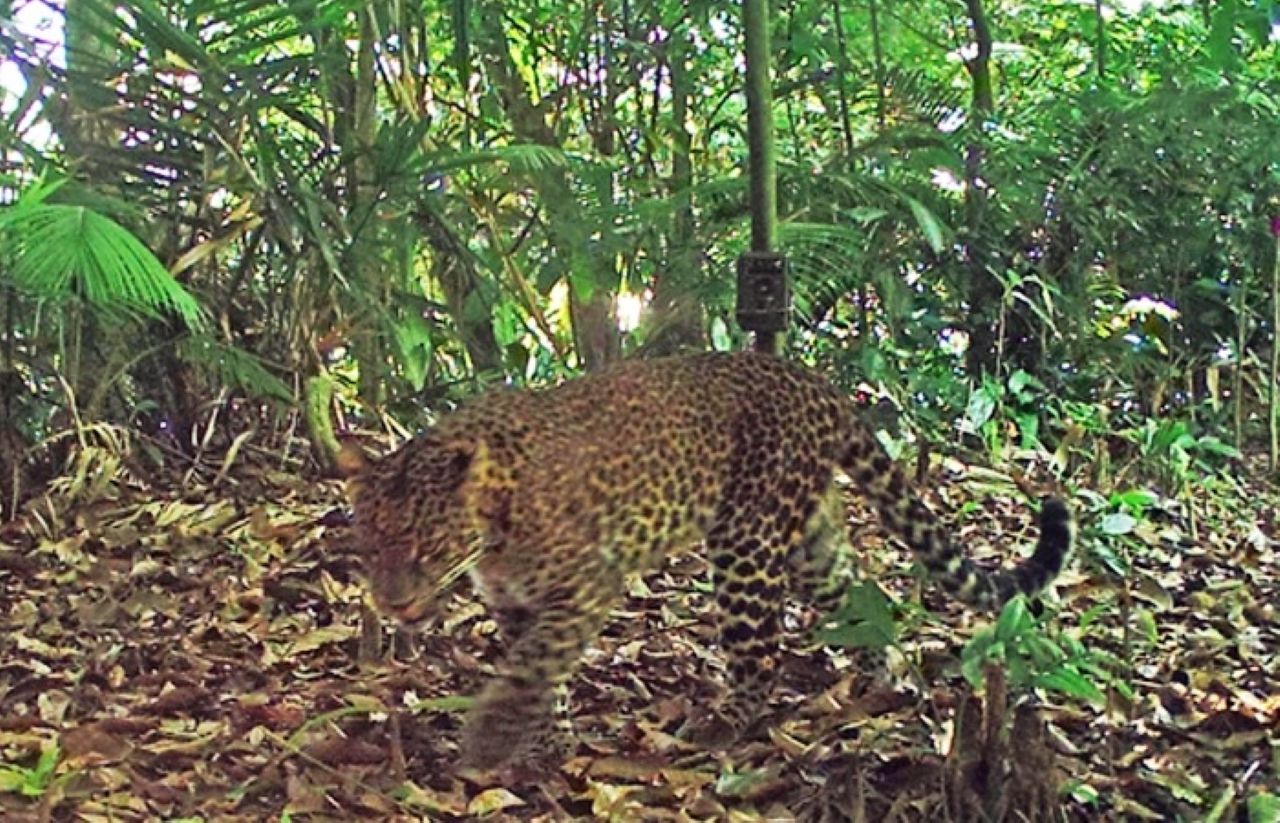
414 521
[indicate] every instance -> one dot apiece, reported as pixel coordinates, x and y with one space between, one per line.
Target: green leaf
1028 429
1264 807
721 340
452 704
11 779
983 647
1147 624
1019 380
867 214
1118 523
734 784
1083 793
982 404
1113 561
1220 45
1043 651
855 636
866 620
1073 684
234 367
47 763
1014 620
1136 500
1019 671
1216 446
414 346
933 228
867 602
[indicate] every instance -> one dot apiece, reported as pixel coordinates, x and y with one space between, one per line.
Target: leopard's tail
906 514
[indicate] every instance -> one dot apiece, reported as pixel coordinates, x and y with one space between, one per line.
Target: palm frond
917 94
59 251
521 157
234 367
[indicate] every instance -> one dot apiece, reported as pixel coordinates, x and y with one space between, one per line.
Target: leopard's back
649 455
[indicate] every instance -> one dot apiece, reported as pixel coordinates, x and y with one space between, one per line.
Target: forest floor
204 653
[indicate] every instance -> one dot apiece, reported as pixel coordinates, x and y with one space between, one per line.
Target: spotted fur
549 498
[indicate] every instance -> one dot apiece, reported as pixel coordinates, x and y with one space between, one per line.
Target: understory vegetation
1039 242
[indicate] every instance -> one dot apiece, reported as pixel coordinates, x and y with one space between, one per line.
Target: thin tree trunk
1273 414
364 258
877 51
677 317
984 292
1100 50
1237 382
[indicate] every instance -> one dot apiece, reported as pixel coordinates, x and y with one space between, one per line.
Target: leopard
549 498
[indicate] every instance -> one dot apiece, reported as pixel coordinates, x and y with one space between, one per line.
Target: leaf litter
209 654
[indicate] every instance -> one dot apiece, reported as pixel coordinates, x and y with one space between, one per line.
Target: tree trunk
364 259
983 292
677 319
1273 414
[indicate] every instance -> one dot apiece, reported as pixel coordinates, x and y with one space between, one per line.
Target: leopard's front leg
514 714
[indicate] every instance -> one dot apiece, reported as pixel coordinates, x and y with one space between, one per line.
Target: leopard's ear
352 461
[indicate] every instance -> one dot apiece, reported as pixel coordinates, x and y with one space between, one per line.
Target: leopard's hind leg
823 567
748 554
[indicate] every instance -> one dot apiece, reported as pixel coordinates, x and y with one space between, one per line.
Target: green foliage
995 404
31 781
1115 519
1170 449
1263 807
423 224
1036 658
234 367
864 620
64 252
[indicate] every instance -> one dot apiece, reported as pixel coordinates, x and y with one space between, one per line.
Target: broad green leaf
1136 500
1147 625
736 784
1264 807
1019 380
1043 651
1073 684
982 404
11 779
1118 523
856 636
47 763
934 230
867 602
1014 619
